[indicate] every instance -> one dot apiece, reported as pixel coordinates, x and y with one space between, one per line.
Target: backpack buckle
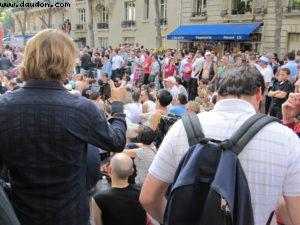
226 144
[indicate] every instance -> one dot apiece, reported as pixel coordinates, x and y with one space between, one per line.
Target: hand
117 94
291 108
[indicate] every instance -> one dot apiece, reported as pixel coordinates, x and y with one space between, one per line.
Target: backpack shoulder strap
193 128
248 130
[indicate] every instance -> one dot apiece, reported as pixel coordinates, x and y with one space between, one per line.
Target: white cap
171 79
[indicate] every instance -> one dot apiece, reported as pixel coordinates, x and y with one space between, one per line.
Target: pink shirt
185 74
169 70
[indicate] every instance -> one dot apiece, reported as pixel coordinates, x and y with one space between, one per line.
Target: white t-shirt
197 66
135 110
182 90
151 106
266 72
271 160
117 62
174 91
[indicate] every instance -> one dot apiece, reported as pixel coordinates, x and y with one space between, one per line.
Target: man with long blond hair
44 134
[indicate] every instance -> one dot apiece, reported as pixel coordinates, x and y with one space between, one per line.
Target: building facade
120 21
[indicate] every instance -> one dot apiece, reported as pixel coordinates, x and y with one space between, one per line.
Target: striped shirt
271 160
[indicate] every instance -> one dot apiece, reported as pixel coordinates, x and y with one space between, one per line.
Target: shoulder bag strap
193 128
247 131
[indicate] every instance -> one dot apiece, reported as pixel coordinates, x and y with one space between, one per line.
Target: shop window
200 8
241 7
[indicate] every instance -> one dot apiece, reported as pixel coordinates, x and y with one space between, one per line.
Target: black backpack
210 187
7 214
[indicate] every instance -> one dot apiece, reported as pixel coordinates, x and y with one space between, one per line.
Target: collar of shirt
234 105
43 84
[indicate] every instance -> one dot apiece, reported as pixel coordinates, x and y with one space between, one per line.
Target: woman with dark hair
144 155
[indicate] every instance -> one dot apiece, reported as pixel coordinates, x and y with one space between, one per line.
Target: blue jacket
44 133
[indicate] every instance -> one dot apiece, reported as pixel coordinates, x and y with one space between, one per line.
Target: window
240 7
82 17
163 9
146 9
130 11
103 42
200 8
103 15
128 40
295 6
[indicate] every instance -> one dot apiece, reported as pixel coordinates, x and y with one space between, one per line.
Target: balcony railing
128 23
199 13
102 25
79 26
163 22
240 11
294 7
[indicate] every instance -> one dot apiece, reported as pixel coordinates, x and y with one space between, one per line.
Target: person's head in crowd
291 56
203 83
147 53
49 55
94 96
208 56
92 82
106 57
147 135
120 167
97 55
263 61
86 49
163 99
105 77
224 61
178 80
193 107
170 82
252 59
189 59
144 87
144 96
242 82
298 53
211 89
135 97
181 99
284 74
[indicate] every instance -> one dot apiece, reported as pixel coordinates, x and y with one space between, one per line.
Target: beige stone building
119 21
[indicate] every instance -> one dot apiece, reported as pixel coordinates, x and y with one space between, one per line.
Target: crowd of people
56 100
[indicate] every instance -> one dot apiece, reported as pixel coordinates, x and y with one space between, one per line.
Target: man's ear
109 170
259 95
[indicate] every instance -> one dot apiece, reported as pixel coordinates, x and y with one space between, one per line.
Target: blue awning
217 32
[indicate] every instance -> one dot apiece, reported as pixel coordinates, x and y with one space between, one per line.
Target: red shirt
185 74
147 65
294 126
169 71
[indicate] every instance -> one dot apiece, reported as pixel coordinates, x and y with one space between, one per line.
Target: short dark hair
241 80
204 81
178 80
164 97
135 96
94 96
291 55
182 99
287 70
147 135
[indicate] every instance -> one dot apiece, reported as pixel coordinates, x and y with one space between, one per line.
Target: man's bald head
121 166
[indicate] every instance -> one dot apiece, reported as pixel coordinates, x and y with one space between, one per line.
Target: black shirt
86 62
121 206
281 86
44 132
